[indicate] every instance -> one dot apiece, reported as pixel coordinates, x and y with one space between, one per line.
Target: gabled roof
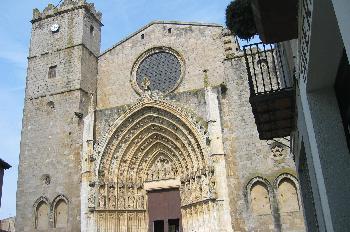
161 22
4 165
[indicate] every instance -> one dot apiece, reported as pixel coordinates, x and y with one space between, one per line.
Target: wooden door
164 210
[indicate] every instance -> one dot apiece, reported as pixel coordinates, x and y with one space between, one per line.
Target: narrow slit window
143 36
92 30
169 30
52 71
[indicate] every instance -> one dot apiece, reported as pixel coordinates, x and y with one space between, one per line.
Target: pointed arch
60 211
41 213
133 135
287 189
154 140
259 196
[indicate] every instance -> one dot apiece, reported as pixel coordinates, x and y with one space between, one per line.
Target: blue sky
120 17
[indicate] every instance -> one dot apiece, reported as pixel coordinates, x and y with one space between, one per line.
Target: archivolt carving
198 186
161 169
152 141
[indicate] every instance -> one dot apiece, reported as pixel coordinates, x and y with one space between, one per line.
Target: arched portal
154 146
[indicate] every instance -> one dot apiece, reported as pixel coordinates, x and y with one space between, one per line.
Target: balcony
272 93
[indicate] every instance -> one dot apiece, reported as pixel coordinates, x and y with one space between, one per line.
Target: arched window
259 198
60 212
287 196
42 215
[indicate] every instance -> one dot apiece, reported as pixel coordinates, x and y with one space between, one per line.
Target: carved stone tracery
161 169
153 141
198 186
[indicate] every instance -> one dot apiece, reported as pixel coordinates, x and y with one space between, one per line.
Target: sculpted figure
184 194
121 197
191 191
121 203
131 202
158 170
198 189
168 170
212 185
91 199
205 187
153 173
102 197
111 198
140 202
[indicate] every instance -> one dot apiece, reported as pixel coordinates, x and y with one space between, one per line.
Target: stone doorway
164 210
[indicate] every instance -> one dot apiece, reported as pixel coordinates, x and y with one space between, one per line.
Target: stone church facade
154 134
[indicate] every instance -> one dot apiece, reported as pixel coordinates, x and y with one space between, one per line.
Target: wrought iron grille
162 70
267 71
271 90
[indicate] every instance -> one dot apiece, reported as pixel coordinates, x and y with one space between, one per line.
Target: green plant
240 19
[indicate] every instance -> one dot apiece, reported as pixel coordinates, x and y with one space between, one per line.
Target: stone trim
162 184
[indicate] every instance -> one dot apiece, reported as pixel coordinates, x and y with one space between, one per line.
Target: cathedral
154 134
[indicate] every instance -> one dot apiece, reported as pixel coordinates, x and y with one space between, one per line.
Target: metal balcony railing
271 90
266 69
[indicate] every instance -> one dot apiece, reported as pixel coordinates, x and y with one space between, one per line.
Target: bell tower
60 85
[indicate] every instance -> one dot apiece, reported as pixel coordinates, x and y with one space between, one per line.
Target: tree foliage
240 19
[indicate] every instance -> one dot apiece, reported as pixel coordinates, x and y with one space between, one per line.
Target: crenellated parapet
66 5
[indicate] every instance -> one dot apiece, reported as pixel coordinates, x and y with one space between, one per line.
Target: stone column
86 170
218 156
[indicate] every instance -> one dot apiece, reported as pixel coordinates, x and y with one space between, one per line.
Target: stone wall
249 160
200 46
50 156
252 161
251 182
7 224
48 194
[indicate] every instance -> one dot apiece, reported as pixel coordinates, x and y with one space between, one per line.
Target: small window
158 226
169 30
142 36
92 30
173 225
52 71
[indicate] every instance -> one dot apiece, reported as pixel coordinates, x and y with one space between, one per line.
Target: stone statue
205 187
102 197
91 199
146 83
111 198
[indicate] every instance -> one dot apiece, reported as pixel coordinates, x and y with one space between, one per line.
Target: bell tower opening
164 210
